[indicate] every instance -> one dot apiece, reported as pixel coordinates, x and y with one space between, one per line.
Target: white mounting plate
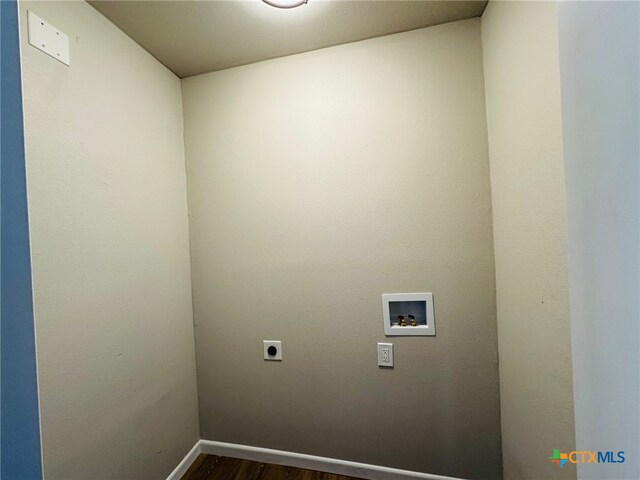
47 38
421 330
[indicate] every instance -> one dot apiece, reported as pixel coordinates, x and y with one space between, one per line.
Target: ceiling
192 37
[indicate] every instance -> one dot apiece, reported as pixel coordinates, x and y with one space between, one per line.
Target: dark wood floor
211 467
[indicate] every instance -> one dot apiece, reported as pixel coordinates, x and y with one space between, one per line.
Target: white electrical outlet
385 354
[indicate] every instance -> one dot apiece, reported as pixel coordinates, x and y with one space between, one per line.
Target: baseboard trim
186 462
299 460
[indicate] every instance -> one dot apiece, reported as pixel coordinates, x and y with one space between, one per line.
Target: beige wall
600 74
108 215
317 182
529 220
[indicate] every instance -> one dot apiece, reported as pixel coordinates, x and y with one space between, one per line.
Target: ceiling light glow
285 3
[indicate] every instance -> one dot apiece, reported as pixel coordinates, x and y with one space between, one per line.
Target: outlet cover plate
385 354
47 38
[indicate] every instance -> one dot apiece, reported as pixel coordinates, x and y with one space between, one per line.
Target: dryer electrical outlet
272 349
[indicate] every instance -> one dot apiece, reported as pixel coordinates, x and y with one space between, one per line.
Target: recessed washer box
408 314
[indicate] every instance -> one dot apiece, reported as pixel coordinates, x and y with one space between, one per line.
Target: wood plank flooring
212 467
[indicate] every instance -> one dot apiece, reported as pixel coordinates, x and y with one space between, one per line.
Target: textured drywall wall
108 216
600 78
317 182
522 86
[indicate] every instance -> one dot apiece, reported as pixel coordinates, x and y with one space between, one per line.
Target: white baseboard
186 462
299 460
